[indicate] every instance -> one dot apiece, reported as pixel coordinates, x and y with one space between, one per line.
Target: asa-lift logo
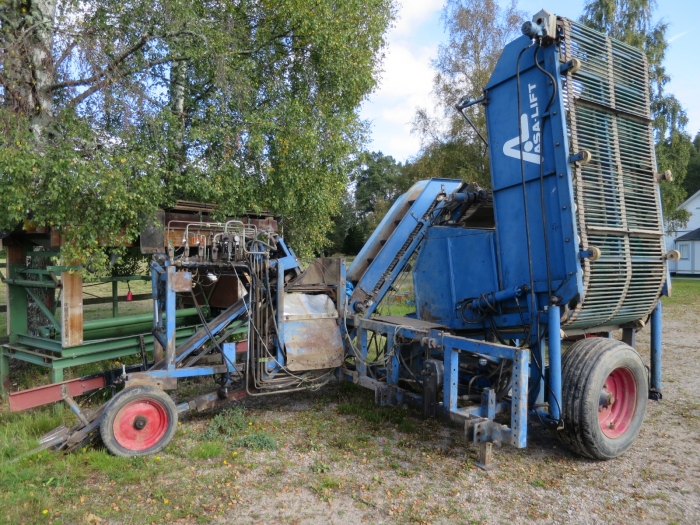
528 143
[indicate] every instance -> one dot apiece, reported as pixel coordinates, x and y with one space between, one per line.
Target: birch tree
111 109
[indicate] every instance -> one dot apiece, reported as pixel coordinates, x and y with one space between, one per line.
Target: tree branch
111 67
122 58
64 55
105 81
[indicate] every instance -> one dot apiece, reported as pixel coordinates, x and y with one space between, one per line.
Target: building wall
692 264
689 256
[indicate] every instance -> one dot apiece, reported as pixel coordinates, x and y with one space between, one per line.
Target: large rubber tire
138 421
604 397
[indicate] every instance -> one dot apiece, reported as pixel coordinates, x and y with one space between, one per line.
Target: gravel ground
339 459
430 477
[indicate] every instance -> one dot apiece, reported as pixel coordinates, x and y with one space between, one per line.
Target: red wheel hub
140 424
618 402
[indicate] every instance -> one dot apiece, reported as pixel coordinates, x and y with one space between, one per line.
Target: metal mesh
616 196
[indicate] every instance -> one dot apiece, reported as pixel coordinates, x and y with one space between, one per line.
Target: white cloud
413 13
407 71
406 82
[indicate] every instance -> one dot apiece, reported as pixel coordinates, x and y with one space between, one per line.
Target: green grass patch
225 425
206 451
684 292
256 441
360 402
325 486
20 431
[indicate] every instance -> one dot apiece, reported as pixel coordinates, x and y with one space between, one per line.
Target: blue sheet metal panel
367 280
384 230
542 135
453 264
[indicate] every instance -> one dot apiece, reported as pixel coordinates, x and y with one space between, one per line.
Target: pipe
98 324
488 301
554 340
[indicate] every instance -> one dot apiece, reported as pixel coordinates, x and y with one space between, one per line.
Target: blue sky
406 82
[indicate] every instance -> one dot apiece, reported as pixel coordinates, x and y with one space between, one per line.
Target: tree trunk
26 31
177 102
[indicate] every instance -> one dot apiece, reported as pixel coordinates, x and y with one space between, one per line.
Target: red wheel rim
140 424
618 402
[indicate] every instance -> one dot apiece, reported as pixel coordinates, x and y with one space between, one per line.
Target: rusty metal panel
71 309
182 282
313 344
311 333
43 395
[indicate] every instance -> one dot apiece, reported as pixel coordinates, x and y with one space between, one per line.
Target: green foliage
343 222
256 441
691 184
94 197
674 154
355 239
130 262
377 181
225 425
249 104
453 160
631 21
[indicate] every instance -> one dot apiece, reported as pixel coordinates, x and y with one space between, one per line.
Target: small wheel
604 397
138 421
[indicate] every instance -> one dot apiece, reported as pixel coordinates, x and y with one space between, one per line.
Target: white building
687 240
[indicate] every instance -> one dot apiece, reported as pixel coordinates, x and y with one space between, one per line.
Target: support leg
170 326
518 416
362 338
16 295
56 375
157 308
486 456
656 353
71 309
554 341
393 371
629 336
450 381
115 299
4 372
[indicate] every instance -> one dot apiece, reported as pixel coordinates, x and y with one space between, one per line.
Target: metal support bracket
388 395
485 432
73 405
